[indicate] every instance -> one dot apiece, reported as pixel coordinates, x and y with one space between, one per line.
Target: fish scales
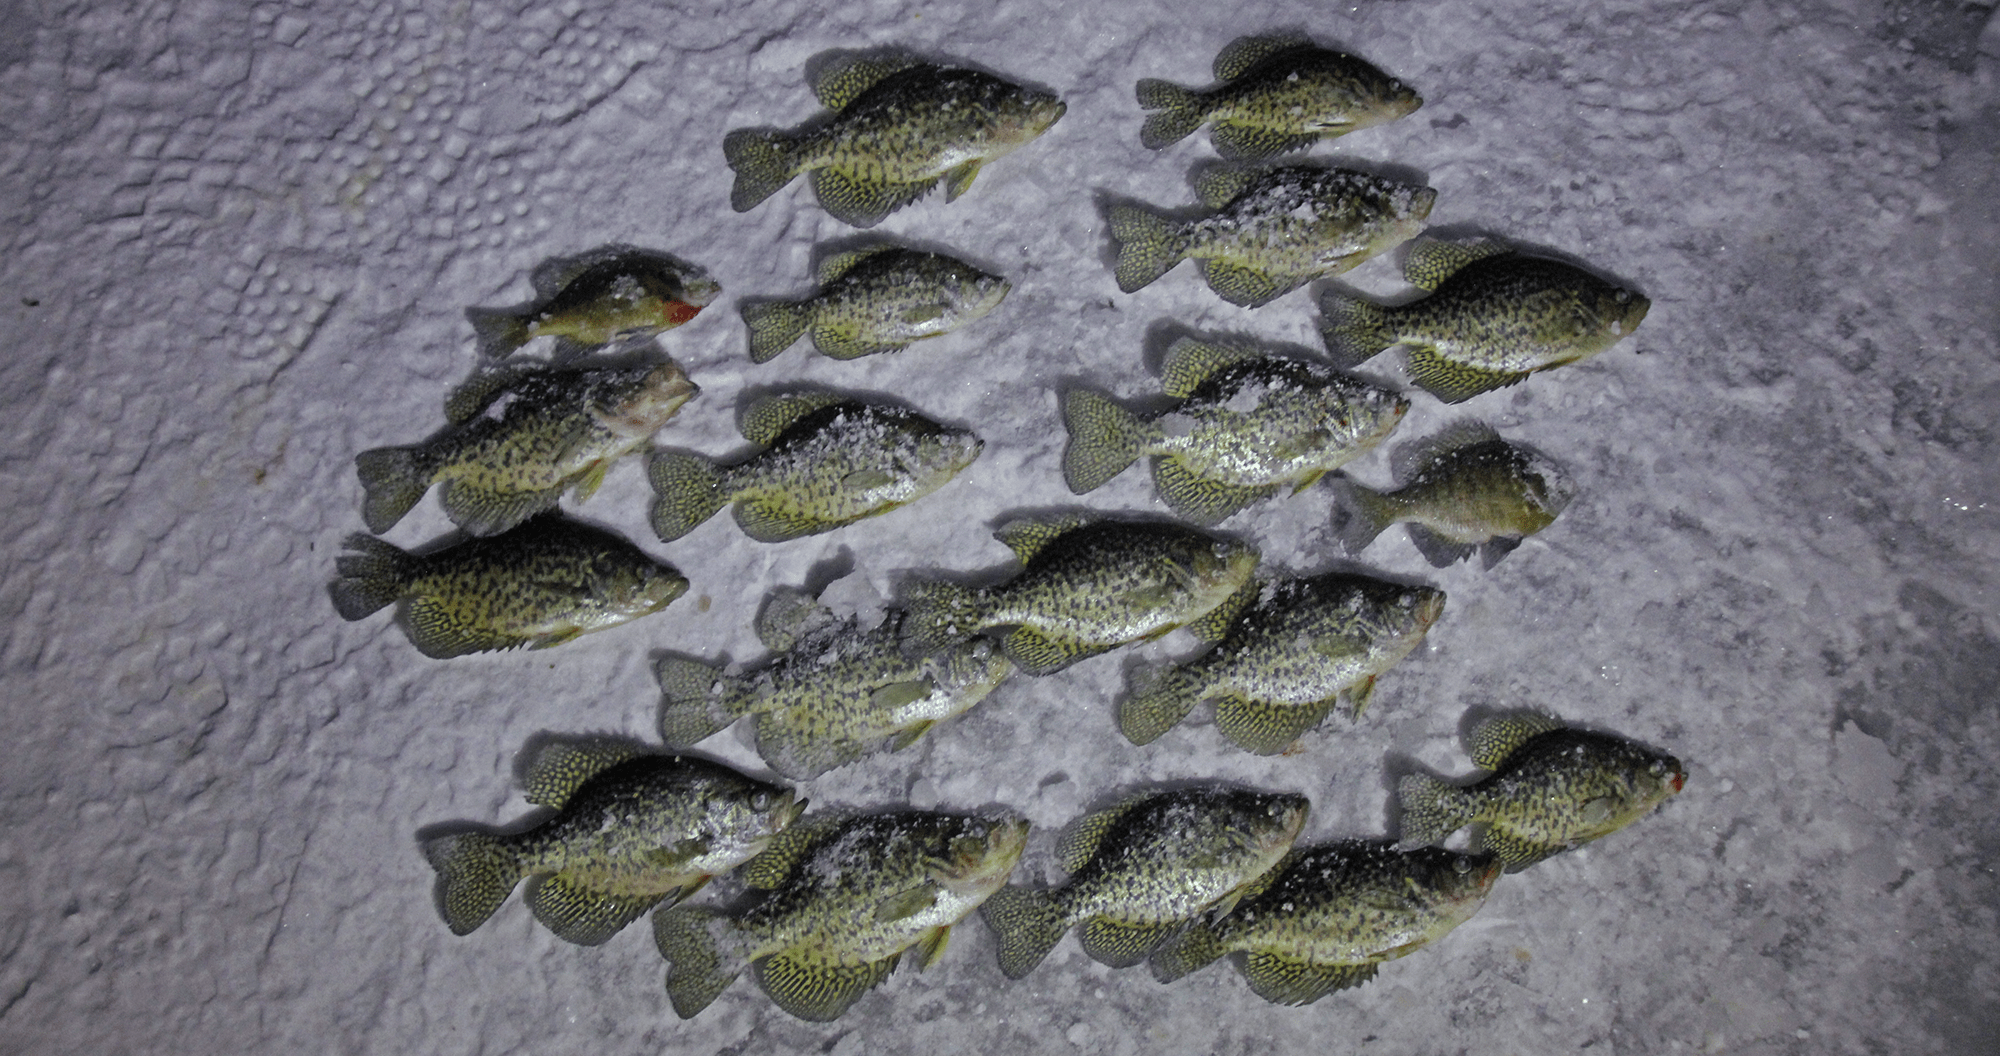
1279 94
586 302
881 299
1464 489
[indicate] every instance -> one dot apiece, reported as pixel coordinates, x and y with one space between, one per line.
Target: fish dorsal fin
469 400
559 768
839 264
1080 842
844 80
1411 459
1432 261
1495 739
1028 538
788 615
787 851
812 986
769 417
1285 980
1191 361
1236 58
1219 185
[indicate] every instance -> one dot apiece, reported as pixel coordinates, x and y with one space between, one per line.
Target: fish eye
1461 865
1623 296
760 800
1657 768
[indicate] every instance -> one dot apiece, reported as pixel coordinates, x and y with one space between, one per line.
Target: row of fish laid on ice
1178 877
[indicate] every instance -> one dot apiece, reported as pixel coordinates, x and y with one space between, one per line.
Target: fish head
978 853
978 294
938 454
1029 113
1547 488
639 588
1217 567
1263 825
658 397
1602 314
976 668
1422 606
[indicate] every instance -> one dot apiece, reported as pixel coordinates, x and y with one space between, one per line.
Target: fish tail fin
1148 245
697 700
696 972
1180 113
1191 950
498 330
940 615
1028 924
774 326
1157 705
1354 330
476 872
763 163
1103 440
1431 810
1359 515
394 479
687 491
372 578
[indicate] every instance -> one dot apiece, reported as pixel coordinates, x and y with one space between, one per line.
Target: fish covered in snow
631 830
899 126
839 691
1142 869
538 585
1463 490
827 461
846 897
1551 789
877 299
1491 318
1274 229
1279 94
591 300
1300 649
1248 426
1332 915
1087 587
519 439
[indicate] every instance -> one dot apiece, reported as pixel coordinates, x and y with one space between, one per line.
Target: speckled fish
547 431
1275 229
631 830
1551 789
1089 587
1332 915
877 299
1298 651
1279 94
1142 869
828 460
900 126
847 897
537 585
1248 427
587 301
838 691
1492 318
1463 489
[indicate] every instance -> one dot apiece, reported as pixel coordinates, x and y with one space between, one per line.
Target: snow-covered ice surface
240 239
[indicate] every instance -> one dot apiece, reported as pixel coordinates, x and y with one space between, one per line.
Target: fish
1248 426
1332 915
1491 317
1279 94
827 461
847 896
876 299
518 439
1274 229
632 829
1552 789
1140 870
591 300
1087 587
1303 647
538 584
1464 489
899 126
839 691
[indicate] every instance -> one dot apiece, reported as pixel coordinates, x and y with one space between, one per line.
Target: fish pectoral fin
1290 981
931 946
1308 480
860 201
580 915
906 903
554 638
676 857
1122 943
959 180
867 480
911 735
917 315
815 988
592 479
1455 382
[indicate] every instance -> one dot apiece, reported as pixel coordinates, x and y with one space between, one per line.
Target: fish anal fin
817 989
1286 980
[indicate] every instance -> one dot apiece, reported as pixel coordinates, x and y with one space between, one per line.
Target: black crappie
1279 94
1463 489
593 299
878 299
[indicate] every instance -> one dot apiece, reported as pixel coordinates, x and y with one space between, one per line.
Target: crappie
847 897
900 126
550 430
878 299
828 460
1248 427
1142 869
837 692
1333 914
1275 229
1280 94
1493 317
1301 648
1552 789
630 830
1089 587
539 584
1463 489
598 297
